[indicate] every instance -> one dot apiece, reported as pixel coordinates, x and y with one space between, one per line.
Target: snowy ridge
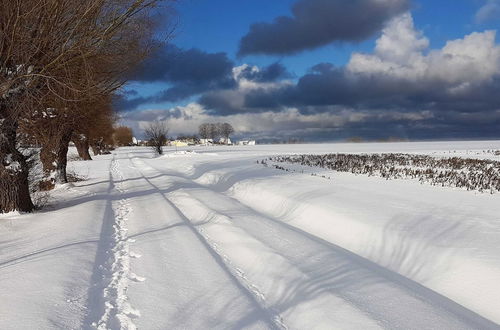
118 313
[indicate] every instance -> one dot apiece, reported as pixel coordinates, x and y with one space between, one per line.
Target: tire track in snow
118 313
274 318
219 219
251 287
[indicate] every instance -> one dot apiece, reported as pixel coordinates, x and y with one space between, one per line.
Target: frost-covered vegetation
472 174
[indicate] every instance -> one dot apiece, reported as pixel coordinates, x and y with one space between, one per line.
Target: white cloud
398 52
402 52
489 11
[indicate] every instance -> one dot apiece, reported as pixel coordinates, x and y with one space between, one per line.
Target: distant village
186 141
208 134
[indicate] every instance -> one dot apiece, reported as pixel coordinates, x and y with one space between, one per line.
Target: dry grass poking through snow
472 174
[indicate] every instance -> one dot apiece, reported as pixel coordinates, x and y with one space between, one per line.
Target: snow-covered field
207 238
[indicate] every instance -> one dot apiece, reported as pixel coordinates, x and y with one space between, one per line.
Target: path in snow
188 286
299 278
115 271
237 275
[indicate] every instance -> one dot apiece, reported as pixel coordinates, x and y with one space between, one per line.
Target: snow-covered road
212 240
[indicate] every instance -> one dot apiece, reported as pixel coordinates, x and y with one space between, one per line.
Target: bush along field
481 175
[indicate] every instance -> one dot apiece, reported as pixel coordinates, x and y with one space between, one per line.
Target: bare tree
214 132
100 133
204 131
65 49
226 130
52 129
82 145
156 132
123 136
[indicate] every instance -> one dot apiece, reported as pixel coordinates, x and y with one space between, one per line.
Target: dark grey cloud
382 125
222 104
187 72
441 125
316 23
269 73
326 86
176 65
182 91
123 102
387 107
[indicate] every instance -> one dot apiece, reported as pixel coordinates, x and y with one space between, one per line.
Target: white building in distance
246 143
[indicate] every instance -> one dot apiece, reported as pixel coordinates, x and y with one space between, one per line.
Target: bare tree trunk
95 149
62 158
54 160
48 159
14 170
99 147
82 146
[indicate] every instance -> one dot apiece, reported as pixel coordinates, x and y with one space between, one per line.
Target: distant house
184 141
178 143
206 141
246 143
138 142
224 141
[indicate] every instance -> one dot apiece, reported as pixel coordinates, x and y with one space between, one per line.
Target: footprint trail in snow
118 312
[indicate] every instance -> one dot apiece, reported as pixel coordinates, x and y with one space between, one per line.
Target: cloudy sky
326 70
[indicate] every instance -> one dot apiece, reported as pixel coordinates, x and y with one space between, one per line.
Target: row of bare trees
60 63
215 131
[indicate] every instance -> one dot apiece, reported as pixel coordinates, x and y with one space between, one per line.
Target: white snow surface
206 238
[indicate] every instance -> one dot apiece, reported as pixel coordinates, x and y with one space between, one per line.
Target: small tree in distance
214 132
226 130
156 132
204 131
123 136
